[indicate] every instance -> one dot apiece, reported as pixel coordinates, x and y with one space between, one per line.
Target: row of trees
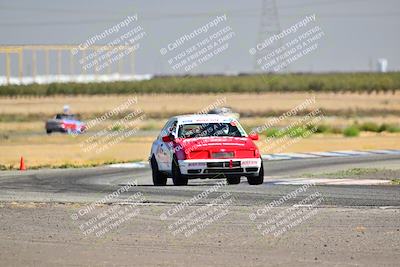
332 82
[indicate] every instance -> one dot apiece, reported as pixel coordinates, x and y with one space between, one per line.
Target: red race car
205 146
65 123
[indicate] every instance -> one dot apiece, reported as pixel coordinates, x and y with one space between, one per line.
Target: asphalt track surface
91 184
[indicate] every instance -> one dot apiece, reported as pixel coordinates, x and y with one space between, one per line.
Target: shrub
272 132
117 128
370 127
323 128
391 128
299 131
383 127
351 131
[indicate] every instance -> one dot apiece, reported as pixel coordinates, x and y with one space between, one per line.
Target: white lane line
329 154
353 152
299 155
133 165
323 181
338 153
388 207
274 157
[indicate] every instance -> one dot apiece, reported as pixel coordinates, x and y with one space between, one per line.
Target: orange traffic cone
22 164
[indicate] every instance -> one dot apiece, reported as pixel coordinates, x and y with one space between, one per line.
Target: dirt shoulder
45 235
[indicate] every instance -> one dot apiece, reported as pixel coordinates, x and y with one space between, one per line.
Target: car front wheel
258 179
233 180
159 178
177 177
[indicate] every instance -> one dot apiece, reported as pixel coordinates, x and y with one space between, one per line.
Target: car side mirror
253 136
168 138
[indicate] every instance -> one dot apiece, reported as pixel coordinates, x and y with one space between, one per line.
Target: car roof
65 115
202 118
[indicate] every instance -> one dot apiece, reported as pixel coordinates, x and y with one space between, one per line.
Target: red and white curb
339 153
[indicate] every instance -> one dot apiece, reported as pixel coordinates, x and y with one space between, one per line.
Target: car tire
233 180
159 178
48 131
177 178
259 179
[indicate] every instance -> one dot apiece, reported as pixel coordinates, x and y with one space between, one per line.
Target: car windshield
209 129
65 117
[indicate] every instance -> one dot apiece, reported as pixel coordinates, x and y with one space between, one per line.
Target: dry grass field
182 103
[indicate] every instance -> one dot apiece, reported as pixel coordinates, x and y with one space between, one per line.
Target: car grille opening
253 169
194 171
236 170
225 164
215 164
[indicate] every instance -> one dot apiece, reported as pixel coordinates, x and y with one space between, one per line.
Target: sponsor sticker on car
246 163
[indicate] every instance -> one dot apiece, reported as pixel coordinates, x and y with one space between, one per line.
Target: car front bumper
215 168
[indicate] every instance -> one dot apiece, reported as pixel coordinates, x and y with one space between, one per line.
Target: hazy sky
356 33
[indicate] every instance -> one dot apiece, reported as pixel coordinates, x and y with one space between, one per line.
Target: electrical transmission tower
269 26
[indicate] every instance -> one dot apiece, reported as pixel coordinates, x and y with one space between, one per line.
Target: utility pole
269 26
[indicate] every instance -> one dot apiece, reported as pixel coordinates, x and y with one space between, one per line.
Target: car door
162 149
172 130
